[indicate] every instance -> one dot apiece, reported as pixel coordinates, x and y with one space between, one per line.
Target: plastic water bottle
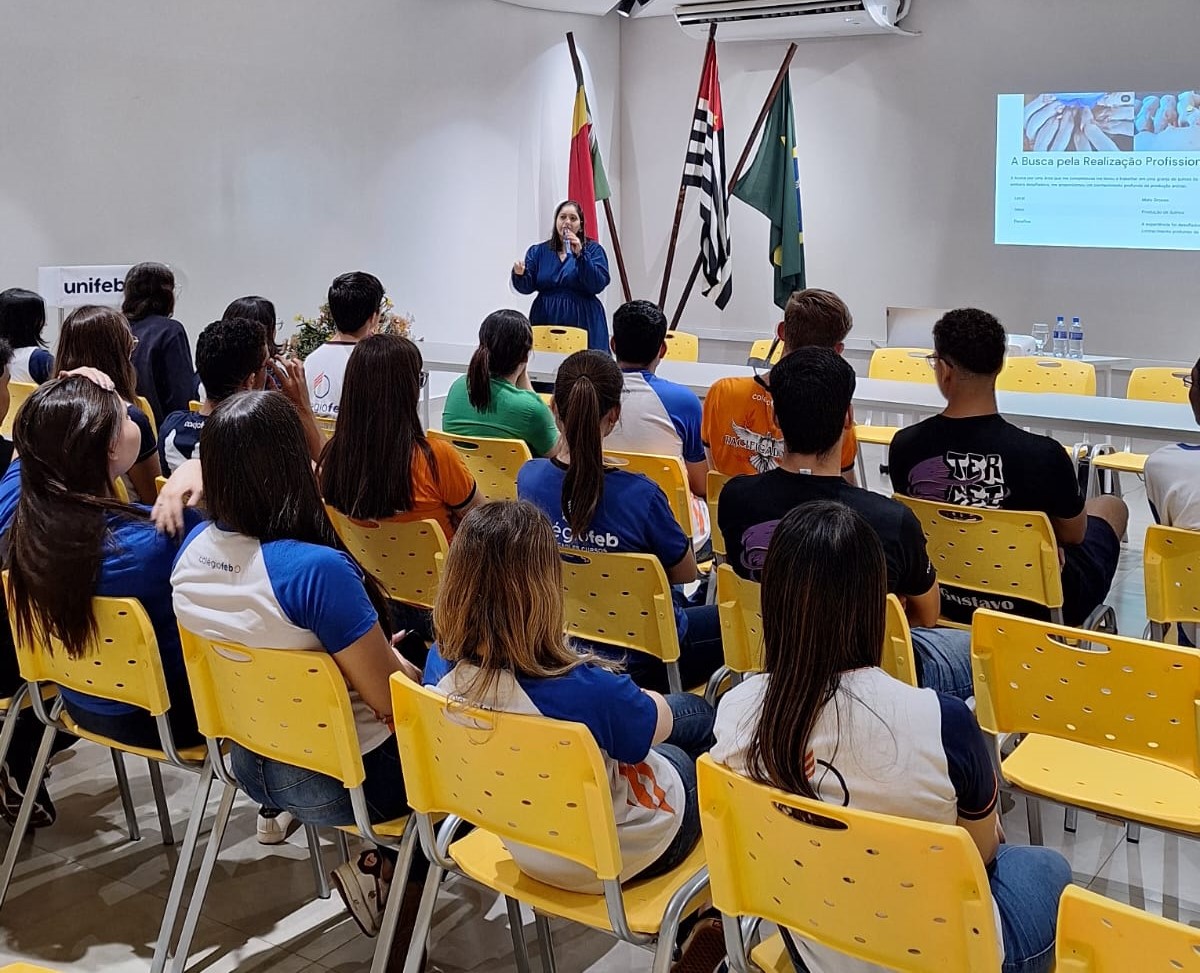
1075 340
1060 338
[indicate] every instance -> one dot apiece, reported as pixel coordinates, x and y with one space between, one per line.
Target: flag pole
666 281
608 210
737 174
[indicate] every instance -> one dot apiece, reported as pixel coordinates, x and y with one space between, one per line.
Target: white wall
266 146
896 139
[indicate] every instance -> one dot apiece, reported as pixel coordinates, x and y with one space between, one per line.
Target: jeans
691 736
700 653
943 660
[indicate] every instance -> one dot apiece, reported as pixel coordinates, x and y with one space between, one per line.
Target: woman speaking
567 272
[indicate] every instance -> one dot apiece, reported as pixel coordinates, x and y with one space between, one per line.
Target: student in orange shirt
739 430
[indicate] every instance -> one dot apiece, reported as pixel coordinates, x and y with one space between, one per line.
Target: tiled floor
85 898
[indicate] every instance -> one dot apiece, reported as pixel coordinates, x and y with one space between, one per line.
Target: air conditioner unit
758 20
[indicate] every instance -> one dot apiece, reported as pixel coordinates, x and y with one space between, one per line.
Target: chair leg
160 801
862 469
385 941
516 929
202 879
118 759
1133 832
1070 819
545 943
343 846
21 825
318 864
191 837
1033 810
414 962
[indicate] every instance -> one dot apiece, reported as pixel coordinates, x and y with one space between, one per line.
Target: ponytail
505 340
479 379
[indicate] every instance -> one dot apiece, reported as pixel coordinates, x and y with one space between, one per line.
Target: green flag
772 186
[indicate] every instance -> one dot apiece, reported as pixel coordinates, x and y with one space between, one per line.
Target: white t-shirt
1173 489
324 371
880 745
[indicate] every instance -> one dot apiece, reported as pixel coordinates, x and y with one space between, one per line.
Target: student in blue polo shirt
597 508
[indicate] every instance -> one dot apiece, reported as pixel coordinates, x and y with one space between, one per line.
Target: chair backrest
159 483
1158 384
1097 935
405 557
559 338
902 365
762 348
1171 564
18 392
1032 374
194 405
716 483
682 346
1110 691
122 664
668 472
287 704
620 599
493 462
1003 557
144 404
739 605
326 425
906 895
528 779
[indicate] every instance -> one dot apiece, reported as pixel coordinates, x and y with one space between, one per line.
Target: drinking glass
1041 335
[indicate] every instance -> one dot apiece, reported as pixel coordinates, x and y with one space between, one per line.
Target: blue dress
567 289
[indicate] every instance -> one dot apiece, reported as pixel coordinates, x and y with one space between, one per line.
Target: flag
772 186
587 182
705 169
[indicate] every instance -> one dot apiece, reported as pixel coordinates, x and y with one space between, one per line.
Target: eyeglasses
933 358
134 341
424 378
1187 381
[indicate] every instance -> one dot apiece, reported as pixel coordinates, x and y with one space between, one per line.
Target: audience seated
162 356
22 318
597 508
495 397
739 430
355 304
257 309
379 424
657 416
514 657
970 455
812 388
826 722
293 587
100 338
1173 483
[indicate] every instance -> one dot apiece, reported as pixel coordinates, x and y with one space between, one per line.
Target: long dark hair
588 385
505 340
556 240
63 434
824 592
99 337
149 289
256 309
366 468
22 317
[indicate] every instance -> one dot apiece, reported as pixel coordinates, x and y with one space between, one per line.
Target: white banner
76 286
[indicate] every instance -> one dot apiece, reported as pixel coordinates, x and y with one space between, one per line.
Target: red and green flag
587 182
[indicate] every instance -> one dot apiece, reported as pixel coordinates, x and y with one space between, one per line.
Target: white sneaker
274 826
363 889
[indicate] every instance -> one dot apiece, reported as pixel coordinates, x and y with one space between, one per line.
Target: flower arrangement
314 332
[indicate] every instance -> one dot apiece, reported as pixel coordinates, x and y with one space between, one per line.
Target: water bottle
1075 340
1060 338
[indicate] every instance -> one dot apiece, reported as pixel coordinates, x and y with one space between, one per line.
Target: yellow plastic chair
1145 385
622 600
542 783
765 351
564 340
493 462
124 666
682 346
292 706
716 483
405 557
668 472
1032 374
1171 569
1111 723
144 404
25 968
326 425
18 392
898 658
1097 935
903 894
159 483
902 365
194 405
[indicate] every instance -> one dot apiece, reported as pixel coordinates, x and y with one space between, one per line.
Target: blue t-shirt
179 439
633 516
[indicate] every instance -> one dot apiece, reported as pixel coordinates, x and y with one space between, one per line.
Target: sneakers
11 796
364 890
704 949
274 825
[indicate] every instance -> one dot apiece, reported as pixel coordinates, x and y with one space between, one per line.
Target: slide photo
1101 121
1167 121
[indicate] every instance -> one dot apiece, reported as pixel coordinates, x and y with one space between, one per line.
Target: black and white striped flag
705 169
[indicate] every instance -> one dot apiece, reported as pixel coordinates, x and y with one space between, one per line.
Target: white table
1100 416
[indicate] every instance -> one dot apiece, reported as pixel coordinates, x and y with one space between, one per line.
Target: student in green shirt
495 397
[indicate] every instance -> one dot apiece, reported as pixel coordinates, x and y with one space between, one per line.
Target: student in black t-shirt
812 388
971 455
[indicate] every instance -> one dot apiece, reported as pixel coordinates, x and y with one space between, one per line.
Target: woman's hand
519 268
93 375
185 488
289 373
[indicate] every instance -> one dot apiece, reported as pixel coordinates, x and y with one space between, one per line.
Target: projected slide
1099 169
